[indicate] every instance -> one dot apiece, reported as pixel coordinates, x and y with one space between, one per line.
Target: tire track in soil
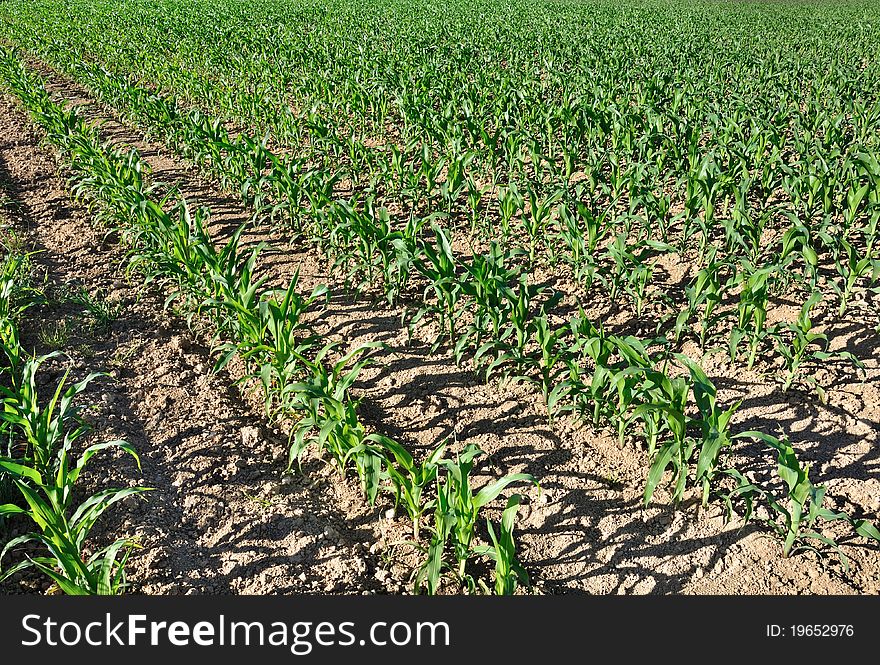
589 532
221 519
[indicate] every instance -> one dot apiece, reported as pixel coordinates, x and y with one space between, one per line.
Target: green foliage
796 516
509 573
42 466
455 518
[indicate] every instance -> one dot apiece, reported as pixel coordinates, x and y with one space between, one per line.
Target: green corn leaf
490 491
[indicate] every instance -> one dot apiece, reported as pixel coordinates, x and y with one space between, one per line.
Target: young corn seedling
855 196
428 575
456 179
521 302
657 206
577 253
626 378
172 248
595 225
509 572
536 220
286 343
43 429
516 316
233 297
752 311
430 170
714 425
458 508
796 346
265 328
632 268
797 241
654 386
668 413
549 362
355 240
851 266
367 244
798 514
398 252
17 296
794 351
368 451
604 392
510 202
750 227
65 526
486 281
45 475
704 295
331 419
439 266
410 479
704 186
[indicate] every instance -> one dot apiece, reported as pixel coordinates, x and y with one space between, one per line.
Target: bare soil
224 517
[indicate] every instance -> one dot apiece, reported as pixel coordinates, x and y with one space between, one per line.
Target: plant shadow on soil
811 425
588 550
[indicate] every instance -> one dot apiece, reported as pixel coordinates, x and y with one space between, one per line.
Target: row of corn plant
367 244
43 460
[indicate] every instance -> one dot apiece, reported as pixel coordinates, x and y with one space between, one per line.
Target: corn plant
17 293
522 300
455 515
704 295
487 283
798 240
410 480
43 429
577 254
713 424
439 266
797 515
330 416
603 373
509 573
171 248
429 573
270 336
45 473
668 412
510 202
537 219
752 311
632 269
64 526
17 296
796 346
548 362
851 266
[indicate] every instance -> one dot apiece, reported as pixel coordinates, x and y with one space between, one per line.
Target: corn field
654 222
